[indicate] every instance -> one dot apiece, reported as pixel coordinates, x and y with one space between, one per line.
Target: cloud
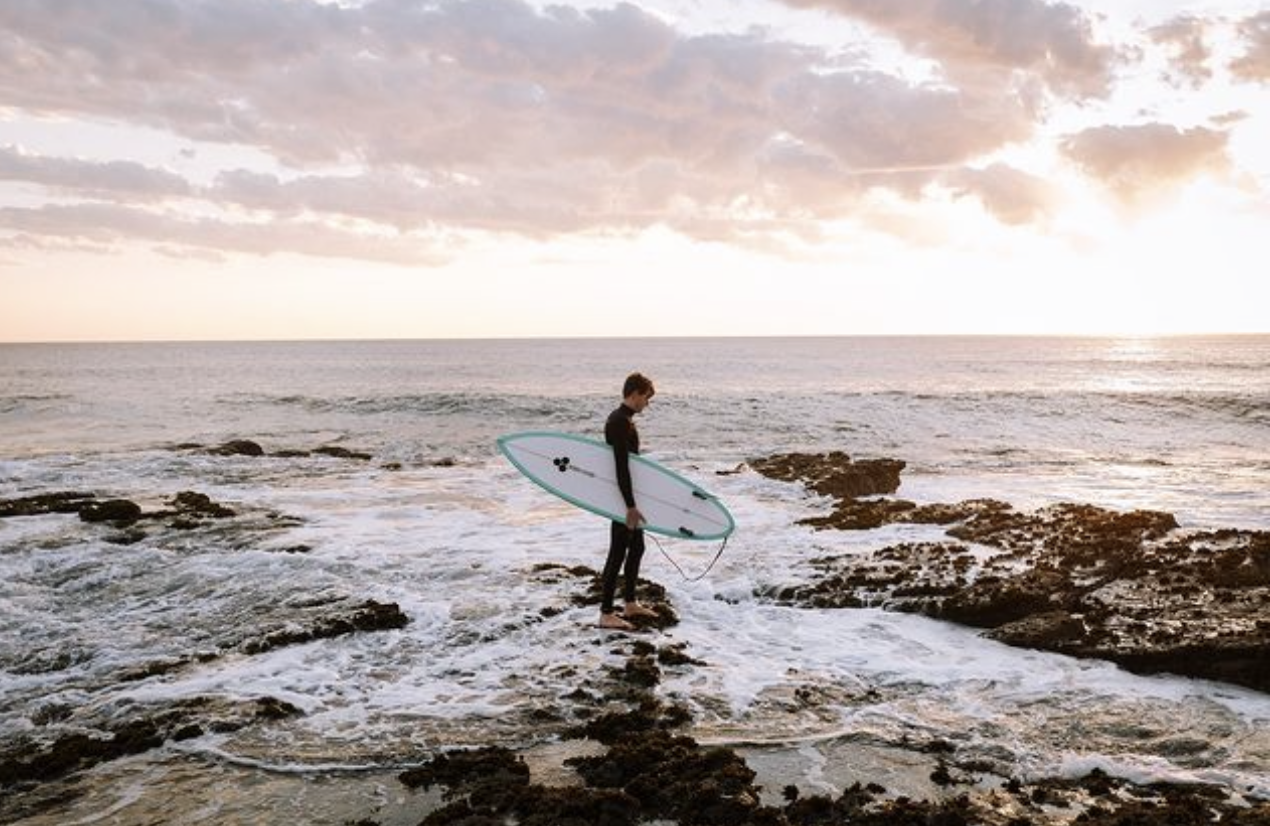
102 226
1052 42
1136 162
497 116
119 178
1255 62
1186 39
1012 195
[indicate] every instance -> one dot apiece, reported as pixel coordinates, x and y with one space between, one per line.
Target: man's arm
614 434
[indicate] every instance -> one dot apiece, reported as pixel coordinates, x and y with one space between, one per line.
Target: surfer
626 539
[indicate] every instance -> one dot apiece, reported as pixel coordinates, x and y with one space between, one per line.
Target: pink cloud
497 116
1137 161
118 178
1187 40
1255 62
1054 42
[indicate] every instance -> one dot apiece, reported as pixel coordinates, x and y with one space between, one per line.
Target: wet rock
44 503
673 777
341 453
35 760
238 447
856 515
187 507
308 623
118 511
1048 630
368 616
491 785
458 769
642 670
833 474
676 654
1079 580
992 602
128 537
650 594
652 771
192 503
850 482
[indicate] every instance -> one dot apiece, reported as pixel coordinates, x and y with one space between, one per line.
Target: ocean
438 523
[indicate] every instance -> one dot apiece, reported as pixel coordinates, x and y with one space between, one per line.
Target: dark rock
458 768
1079 580
836 475
73 751
862 515
1048 630
119 511
368 616
676 655
991 602
650 594
642 671
341 453
238 447
652 772
128 537
833 474
44 503
491 785
189 502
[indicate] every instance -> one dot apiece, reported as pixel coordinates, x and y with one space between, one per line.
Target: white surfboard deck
583 472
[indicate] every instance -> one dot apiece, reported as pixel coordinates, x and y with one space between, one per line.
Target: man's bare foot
634 610
614 623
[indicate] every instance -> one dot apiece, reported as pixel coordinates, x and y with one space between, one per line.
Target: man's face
638 400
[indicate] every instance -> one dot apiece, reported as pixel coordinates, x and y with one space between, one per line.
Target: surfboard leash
672 561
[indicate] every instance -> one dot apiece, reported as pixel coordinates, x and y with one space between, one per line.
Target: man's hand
634 518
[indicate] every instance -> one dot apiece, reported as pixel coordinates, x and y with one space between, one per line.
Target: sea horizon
666 337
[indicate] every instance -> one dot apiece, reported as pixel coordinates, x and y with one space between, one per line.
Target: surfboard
583 472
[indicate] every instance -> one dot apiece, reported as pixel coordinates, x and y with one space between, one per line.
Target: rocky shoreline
649 770
1075 579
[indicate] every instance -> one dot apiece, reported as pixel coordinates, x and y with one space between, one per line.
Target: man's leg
634 555
619 536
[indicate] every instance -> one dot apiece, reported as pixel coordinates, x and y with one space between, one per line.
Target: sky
296 169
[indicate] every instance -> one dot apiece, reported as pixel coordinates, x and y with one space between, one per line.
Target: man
626 539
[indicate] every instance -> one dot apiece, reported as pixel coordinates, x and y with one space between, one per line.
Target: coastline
586 746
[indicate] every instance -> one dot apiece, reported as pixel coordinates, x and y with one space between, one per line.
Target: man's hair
637 383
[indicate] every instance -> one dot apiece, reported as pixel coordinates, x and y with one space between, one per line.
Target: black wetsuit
625 545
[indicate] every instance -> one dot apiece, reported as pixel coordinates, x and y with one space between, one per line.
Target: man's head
636 391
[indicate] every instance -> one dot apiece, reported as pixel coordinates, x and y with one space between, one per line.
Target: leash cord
672 561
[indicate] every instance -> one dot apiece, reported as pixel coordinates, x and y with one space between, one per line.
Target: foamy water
456 547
